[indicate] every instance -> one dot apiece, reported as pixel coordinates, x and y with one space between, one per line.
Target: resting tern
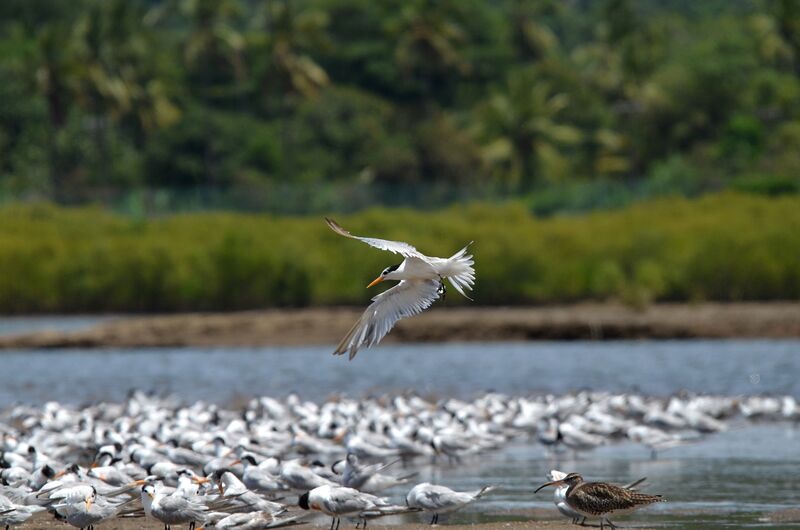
172 509
258 479
12 514
87 512
368 478
299 477
241 499
440 499
421 283
337 501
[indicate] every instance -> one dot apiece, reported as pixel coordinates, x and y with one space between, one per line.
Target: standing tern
87 512
440 499
172 509
337 501
421 283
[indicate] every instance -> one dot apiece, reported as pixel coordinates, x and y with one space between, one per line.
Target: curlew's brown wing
598 498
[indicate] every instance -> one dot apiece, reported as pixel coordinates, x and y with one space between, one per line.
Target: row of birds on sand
236 468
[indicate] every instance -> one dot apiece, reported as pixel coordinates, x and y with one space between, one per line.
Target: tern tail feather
460 272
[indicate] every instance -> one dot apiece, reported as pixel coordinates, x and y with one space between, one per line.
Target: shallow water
463 370
731 479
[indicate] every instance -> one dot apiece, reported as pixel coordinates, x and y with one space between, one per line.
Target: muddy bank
328 325
136 523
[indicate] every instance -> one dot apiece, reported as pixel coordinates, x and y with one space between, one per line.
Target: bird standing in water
600 499
421 283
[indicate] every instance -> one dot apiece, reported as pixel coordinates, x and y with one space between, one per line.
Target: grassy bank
723 247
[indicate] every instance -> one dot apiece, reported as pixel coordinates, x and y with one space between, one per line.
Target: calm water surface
462 370
732 479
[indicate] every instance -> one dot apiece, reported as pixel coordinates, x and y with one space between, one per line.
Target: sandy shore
328 325
132 524
538 518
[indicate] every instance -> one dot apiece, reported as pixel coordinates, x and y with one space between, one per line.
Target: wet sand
534 518
327 325
133 524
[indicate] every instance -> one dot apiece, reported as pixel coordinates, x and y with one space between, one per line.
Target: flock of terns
210 467
274 462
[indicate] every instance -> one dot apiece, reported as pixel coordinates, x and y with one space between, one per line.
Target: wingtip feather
336 227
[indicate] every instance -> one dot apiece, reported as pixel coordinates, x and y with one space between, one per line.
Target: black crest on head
303 501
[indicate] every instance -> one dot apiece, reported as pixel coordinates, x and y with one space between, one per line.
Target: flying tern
421 283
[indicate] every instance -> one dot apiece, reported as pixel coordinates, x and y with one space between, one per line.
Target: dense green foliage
719 247
311 105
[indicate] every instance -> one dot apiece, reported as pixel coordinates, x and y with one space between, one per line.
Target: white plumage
421 283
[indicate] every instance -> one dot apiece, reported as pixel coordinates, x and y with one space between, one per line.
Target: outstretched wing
407 298
397 247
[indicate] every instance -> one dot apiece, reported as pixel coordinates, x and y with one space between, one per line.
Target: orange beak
200 480
88 505
376 281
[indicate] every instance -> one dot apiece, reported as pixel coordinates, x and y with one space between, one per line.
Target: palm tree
213 49
55 72
523 129
786 14
429 43
533 40
290 33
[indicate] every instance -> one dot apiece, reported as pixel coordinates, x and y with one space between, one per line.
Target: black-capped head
250 459
384 275
390 269
48 471
303 501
